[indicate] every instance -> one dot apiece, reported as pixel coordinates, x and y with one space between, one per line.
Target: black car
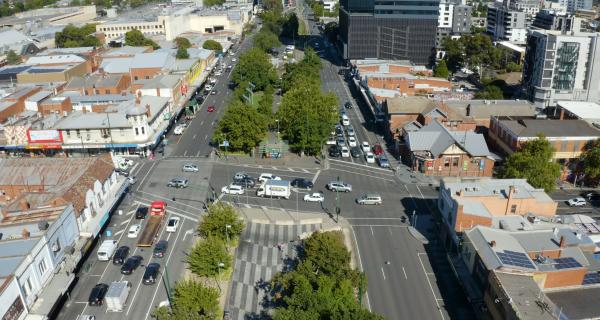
131 264
160 248
355 152
302 183
199 99
335 152
151 273
141 212
120 255
97 294
122 172
246 182
348 105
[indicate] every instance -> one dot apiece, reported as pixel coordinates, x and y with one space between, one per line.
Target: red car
377 149
210 108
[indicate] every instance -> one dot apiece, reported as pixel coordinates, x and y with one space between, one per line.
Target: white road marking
185 153
188 232
124 222
362 174
201 122
372 233
361 266
169 199
314 179
430 286
383 273
145 176
180 213
119 232
194 137
404 270
422 197
205 136
342 163
198 154
291 169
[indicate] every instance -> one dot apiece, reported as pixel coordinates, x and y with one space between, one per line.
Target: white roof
67 58
582 109
117 65
10 37
512 46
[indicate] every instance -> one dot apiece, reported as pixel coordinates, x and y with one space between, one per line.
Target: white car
365 146
179 130
232 189
345 152
369 157
131 180
576 202
126 163
189 168
218 73
352 142
134 231
233 59
172 224
314 197
268 176
208 87
330 141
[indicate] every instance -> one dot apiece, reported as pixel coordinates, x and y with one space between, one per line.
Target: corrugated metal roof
436 138
67 58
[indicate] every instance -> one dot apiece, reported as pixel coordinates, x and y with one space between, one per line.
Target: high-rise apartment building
562 66
389 29
559 21
506 24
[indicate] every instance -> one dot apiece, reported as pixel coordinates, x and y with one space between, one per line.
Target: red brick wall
144 73
466 221
564 278
457 171
56 106
10 111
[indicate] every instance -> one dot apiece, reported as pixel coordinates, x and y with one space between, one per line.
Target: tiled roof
435 138
100 170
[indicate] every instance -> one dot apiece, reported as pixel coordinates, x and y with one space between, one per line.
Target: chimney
562 242
493 243
468 110
24 205
25 233
148 113
138 97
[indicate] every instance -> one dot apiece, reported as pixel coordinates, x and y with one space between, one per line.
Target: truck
158 211
275 189
116 296
106 250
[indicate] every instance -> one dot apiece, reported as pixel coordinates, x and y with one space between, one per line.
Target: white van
345 120
106 250
368 198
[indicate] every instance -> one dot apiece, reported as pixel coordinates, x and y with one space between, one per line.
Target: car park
120 255
383 161
335 151
365 146
246 182
314 197
369 198
172 224
330 141
352 142
339 186
350 131
141 212
302 183
178 183
151 273
97 294
189 168
355 152
232 189
576 202
160 249
131 264
369 157
268 176
341 141
134 231
345 152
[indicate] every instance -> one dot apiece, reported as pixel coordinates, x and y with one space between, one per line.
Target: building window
513 208
42 266
137 132
446 162
27 288
78 133
56 247
147 77
68 133
135 78
107 91
143 130
563 145
455 162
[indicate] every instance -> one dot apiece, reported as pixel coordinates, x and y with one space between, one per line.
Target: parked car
339 130
383 161
179 130
365 146
350 131
314 197
190 168
151 273
97 295
592 196
355 152
377 149
134 231
369 198
178 183
241 175
160 249
141 212
339 186
302 183
348 105
341 141
123 172
369 157
246 182
214 92
268 176
330 141
211 108
120 255
352 142
576 202
172 224
345 152
232 189
335 151
131 264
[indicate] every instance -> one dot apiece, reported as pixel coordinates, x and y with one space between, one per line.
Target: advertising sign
44 136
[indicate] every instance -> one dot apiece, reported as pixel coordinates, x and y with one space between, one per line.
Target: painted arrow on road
190 231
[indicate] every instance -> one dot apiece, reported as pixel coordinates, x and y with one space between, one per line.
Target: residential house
169 86
97 84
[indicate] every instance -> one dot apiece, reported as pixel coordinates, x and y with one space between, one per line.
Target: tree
242 126
441 70
212 3
193 300
12 58
274 6
208 257
591 160
289 29
182 53
212 45
266 40
215 222
71 37
136 38
254 66
331 30
327 252
534 162
490 92
514 67
136 3
181 42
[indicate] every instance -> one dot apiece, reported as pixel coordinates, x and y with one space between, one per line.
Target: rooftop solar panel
566 263
513 258
591 278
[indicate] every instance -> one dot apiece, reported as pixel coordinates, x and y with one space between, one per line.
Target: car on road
214 92
377 149
268 176
232 189
369 157
172 224
227 315
314 197
355 152
348 105
350 131
97 295
383 161
335 152
120 255
365 146
246 182
178 183
302 183
123 172
576 202
345 152
233 59
160 249
592 196
369 198
189 168
179 130
339 186
131 264
210 108
218 72
151 273
352 142
134 231
141 212
241 175
339 130
330 141
341 141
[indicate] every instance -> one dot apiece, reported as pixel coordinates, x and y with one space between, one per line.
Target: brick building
14 103
99 84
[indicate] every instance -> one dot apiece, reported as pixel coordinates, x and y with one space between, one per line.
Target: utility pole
337 204
167 285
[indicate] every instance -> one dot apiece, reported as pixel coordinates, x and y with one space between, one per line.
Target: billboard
44 136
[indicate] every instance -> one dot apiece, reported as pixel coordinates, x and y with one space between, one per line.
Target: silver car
178 183
339 186
190 168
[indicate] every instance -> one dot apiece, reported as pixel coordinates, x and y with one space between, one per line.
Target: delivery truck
158 211
116 296
275 189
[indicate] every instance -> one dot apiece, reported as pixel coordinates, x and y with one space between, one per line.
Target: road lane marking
373 234
314 179
383 273
201 122
180 213
430 286
169 199
361 266
205 136
362 174
422 197
198 154
185 153
404 270
145 176
194 137
119 232
187 232
124 222
411 198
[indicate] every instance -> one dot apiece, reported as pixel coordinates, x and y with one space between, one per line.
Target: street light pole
219 266
166 284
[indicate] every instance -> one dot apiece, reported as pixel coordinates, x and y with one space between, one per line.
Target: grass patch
302 27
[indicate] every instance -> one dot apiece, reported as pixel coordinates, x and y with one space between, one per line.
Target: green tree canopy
215 222
441 70
289 29
210 3
191 300
212 45
274 6
181 42
490 92
71 37
327 252
242 126
591 160
254 66
534 162
209 257
12 58
474 51
265 40
182 53
136 38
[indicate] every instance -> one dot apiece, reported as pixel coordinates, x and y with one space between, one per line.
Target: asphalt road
562 196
